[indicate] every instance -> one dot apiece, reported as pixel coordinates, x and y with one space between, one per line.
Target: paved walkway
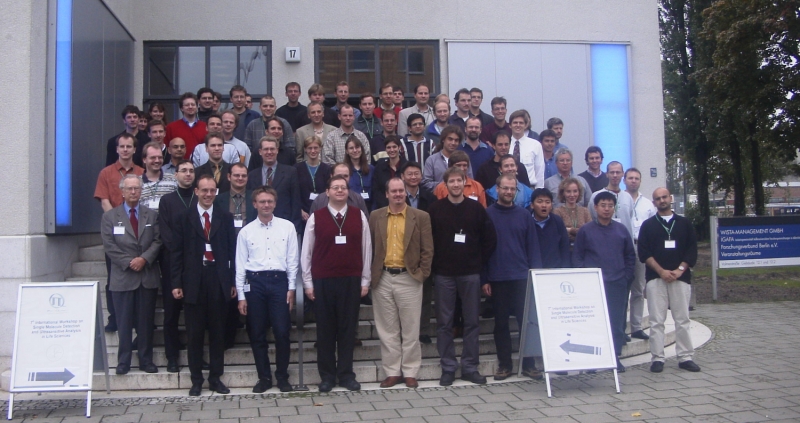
751 373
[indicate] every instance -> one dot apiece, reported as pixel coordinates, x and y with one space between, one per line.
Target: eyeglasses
132 189
186 171
338 188
507 188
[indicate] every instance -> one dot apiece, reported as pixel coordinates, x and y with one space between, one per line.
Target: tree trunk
738 171
758 178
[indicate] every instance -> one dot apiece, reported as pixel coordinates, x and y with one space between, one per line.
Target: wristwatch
681 268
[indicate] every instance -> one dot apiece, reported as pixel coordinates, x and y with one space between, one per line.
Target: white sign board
54 339
574 327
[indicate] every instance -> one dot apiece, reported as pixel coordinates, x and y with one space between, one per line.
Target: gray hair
130 176
562 151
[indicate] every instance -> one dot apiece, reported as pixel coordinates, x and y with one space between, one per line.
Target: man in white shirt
336 285
526 150
229 152
643 209
229 122
267 262
421 95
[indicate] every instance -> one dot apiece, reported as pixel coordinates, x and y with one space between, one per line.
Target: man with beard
478 152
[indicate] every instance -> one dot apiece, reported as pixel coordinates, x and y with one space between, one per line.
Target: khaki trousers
397 302
674 295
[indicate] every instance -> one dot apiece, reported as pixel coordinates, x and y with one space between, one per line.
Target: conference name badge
365 195
473 197
341 239
119 229
461 238
153 203
669 244
237 223
313 196
208 248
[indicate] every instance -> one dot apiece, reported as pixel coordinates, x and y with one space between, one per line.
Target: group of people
226 213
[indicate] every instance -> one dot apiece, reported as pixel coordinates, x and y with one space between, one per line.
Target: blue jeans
266 306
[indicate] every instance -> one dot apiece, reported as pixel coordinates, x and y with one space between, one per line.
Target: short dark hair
410 164
185 96
475 117
633 169
453 171
206 176
614 163
548 133
204 90
413 117
541 192
214 115
499 100
500 133
604 195
130 109
553 121
126 135
237 164
365 95
235 117
451 129
338 178
155 122
397 88
211 135
263 190
476 90
293 84
460 92
593 149
393 139
458 156
416 88
237 87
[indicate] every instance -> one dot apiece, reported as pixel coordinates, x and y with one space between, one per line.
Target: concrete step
89 269
93 253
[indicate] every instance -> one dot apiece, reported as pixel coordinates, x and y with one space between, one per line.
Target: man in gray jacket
132 242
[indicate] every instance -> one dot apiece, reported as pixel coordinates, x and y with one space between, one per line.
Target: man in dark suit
281 177
203 275
131 241
398 272
215 166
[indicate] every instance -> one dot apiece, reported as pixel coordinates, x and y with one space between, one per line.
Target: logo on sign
567 288
56 301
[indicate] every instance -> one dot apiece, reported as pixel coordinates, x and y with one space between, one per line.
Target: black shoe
657 366
111 327
123 369
149 368
689 365
639 334
620 367
173 367
135 344
425 339
181 347
488 313
447 378
351 385
195 390
325 386
262 386
474 377
206 366
627 338
229 345
285 386
218 387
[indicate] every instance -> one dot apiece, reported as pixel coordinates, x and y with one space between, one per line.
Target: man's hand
309 293
137 264
666 275
364 291
304 215
233 292
487 289
177 293
243 307
290 299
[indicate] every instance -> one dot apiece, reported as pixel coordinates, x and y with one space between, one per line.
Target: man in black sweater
463 239
668 246
170 206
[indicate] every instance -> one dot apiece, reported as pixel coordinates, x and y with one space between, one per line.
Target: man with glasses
205 97
281 177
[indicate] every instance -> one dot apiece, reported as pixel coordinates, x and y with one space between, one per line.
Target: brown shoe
411 382
391 381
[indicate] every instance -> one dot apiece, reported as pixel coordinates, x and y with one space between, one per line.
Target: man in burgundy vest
336 260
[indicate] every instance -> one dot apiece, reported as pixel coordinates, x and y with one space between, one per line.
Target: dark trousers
231 322
336 308
469 289
509 300
135 308
425 326
208 313
112 320
616 300
172 309
266 306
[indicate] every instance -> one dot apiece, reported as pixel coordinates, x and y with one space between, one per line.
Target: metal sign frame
533 289
96 340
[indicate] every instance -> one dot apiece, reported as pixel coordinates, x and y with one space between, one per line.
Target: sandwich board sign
573 325
58 339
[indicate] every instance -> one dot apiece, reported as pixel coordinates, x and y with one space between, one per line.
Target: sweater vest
332 260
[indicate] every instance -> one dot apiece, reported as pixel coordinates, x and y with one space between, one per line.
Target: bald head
663 201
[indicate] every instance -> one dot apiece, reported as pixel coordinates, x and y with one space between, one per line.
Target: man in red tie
132 242
204 247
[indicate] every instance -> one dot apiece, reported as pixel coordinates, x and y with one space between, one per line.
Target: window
368 65
173 68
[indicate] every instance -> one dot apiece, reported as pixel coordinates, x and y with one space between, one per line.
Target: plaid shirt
333 150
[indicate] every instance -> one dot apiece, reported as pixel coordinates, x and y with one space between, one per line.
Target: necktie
269 176
209 256
516 150
339 218
134 223
216 171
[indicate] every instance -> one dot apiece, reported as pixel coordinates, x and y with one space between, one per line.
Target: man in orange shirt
472 188
108 192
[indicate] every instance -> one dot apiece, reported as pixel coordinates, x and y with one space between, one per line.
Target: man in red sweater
192 130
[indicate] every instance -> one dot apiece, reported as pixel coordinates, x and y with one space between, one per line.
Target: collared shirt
237 207
550 166
201 210
396 231
434 169
192 123
402 118
643 209
266 247
152 191
229 154
532 157
169 168
370 127
308 248
333 150
128 209
478 156
472 189
541 223
107 187
264 167
241 148
623 212
413 199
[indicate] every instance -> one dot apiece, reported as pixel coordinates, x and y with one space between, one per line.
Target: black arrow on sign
62 377
581 349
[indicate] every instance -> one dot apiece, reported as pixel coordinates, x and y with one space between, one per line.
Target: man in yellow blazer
402 256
